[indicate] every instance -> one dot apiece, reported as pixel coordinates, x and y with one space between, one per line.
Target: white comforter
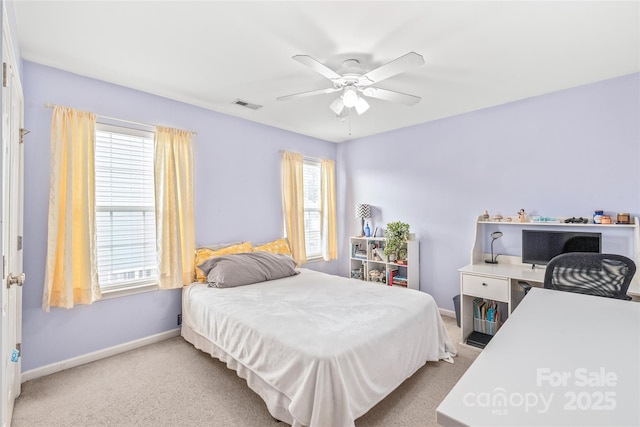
334 347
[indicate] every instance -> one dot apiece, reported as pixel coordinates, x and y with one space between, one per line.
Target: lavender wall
237 197
563 154
566 153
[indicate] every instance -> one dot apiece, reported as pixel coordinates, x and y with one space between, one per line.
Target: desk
499 282
561 359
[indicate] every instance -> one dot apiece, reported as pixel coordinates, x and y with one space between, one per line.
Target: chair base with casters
603 275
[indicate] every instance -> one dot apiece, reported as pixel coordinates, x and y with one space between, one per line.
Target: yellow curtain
71 272
328 210
293 204
174 207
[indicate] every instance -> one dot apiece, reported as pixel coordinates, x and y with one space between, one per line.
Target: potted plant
397 234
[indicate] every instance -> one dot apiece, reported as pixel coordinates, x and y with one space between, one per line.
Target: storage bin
485 326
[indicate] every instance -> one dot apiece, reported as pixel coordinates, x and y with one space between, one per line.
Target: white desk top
561 359
526 273
513 271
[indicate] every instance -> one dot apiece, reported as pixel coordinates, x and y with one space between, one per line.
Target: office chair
604 275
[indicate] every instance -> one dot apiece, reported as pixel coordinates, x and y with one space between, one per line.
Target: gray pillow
228 271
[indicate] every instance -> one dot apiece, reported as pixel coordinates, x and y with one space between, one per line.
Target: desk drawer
485 287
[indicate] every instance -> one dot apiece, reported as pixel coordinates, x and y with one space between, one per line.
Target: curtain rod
48 105
306 157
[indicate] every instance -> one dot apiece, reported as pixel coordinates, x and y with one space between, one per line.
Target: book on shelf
400 280
359 253
392 272
486 316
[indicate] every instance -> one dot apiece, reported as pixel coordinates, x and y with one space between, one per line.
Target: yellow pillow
280 246
203 254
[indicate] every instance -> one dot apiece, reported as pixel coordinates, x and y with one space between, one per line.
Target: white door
11 230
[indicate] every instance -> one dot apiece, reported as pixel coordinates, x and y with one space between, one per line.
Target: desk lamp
495 235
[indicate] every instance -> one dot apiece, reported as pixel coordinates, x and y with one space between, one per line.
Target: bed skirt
277 403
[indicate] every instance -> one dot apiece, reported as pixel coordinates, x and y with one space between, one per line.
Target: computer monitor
540 246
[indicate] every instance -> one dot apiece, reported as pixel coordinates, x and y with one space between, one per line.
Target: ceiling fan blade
392 68
391 95
305 94
318 67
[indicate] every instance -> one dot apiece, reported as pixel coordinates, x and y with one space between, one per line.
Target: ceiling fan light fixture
350 98
337 106
361 105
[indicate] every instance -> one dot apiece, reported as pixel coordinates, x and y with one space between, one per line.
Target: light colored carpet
172 384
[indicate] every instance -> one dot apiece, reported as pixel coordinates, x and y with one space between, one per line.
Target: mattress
320 350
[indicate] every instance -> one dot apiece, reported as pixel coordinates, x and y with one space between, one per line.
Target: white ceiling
209 53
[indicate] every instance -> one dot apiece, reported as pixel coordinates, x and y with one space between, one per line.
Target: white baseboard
97 355
448 313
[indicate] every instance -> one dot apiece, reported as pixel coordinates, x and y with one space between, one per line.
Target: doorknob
15 280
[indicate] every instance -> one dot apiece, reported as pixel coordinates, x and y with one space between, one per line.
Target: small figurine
522 215
374 275
485 216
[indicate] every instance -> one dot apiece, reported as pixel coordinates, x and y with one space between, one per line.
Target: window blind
125 207
312 214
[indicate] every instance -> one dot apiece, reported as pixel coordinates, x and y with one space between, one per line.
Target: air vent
246 104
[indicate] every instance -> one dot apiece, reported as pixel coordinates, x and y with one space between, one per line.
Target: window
125 207
312 213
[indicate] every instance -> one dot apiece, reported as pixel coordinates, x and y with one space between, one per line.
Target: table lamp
363 211
495 235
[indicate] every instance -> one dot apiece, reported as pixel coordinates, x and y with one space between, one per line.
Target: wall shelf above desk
559 222
629 232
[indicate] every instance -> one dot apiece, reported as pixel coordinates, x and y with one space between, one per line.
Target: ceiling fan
355 81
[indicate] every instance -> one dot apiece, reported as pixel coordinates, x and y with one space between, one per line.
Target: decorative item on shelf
623 218
544 219
401 262
375 275
485 216
380 255
597 217
574 220
522 215
497 218
495 235
356 274
362 211
397 234
606 219
367 231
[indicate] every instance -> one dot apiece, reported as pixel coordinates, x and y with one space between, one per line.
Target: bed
320 350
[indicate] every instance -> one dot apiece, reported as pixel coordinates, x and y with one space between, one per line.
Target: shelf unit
364 258
477 256
499 282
